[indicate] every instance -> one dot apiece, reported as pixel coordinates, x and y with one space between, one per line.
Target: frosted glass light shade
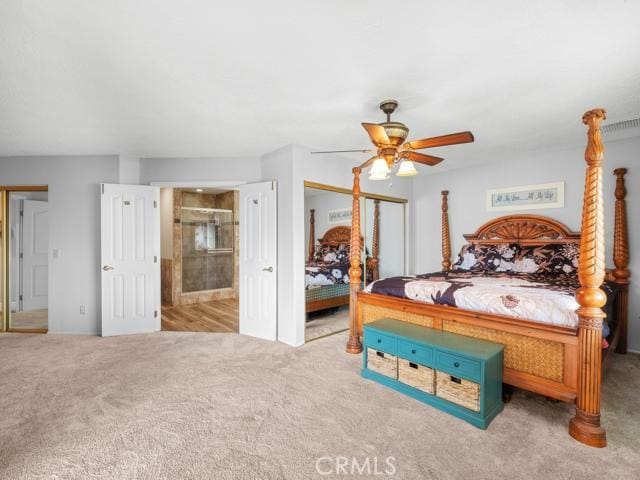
379 170
407 169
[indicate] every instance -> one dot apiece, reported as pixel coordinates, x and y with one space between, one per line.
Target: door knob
106 268
270 269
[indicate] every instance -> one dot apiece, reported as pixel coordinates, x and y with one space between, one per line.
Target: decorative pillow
479 258
552 258
331 254
342 253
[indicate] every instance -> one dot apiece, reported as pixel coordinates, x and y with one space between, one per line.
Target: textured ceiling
200 78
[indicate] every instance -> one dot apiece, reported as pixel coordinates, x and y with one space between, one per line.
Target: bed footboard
537 357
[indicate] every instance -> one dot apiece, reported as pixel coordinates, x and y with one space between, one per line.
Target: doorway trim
6 267
348 191
230 185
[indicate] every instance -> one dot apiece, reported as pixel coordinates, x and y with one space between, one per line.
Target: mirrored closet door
25 259
385 238
2 260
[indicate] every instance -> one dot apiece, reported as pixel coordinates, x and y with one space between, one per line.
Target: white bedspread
503 295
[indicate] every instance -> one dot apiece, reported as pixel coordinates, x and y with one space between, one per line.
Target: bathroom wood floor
218 316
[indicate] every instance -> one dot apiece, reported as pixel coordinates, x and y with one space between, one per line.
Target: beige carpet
223 406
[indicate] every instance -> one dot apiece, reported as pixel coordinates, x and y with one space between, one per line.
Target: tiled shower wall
205 276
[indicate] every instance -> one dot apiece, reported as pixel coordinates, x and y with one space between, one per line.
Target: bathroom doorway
199 259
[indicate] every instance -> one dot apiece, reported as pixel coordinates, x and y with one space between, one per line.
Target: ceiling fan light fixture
407 169
379 169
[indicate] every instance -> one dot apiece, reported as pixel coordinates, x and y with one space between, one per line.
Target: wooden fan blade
451 139
377 134
368 162
421 158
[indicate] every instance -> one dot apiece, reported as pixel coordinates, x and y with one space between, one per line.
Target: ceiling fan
391 148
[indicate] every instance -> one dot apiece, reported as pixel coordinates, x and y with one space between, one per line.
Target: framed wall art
526 197
341 215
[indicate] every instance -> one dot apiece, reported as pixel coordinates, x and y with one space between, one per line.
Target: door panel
258 260
35 248
130 248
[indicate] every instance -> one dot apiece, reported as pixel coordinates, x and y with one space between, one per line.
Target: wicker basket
415 375
457 390
382 363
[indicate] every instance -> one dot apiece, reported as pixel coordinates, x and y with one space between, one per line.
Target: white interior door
258 260
130 222
35 255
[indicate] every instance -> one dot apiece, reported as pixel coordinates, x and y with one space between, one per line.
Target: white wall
278 165
467 209
74 228
245 169
129 169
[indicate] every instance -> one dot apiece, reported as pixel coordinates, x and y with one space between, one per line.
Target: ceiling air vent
624 125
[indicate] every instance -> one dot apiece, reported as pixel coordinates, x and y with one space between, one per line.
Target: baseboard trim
291 344
65 332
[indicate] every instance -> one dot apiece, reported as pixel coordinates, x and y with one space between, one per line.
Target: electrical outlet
83 310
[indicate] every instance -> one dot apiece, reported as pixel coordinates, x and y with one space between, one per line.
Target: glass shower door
207 249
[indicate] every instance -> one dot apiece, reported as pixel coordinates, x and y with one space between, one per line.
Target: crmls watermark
356 466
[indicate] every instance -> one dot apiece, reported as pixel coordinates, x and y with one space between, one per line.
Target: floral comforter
545 298
318 274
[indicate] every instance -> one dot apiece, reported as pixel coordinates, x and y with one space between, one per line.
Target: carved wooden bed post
312 235
355 270
375 242
585 425
621 273
446 240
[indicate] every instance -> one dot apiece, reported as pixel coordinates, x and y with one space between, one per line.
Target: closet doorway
199 259
24 259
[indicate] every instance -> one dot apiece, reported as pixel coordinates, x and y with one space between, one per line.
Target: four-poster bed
559 361
321 295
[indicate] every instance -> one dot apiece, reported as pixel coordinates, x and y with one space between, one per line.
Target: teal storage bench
457 374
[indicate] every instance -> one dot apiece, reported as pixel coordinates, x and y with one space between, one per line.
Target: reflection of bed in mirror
327 266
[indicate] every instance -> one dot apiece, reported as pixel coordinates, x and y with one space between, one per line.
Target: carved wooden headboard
523 230
335 236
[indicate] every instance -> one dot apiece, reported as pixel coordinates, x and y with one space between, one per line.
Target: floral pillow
552 258
479 258
330 254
